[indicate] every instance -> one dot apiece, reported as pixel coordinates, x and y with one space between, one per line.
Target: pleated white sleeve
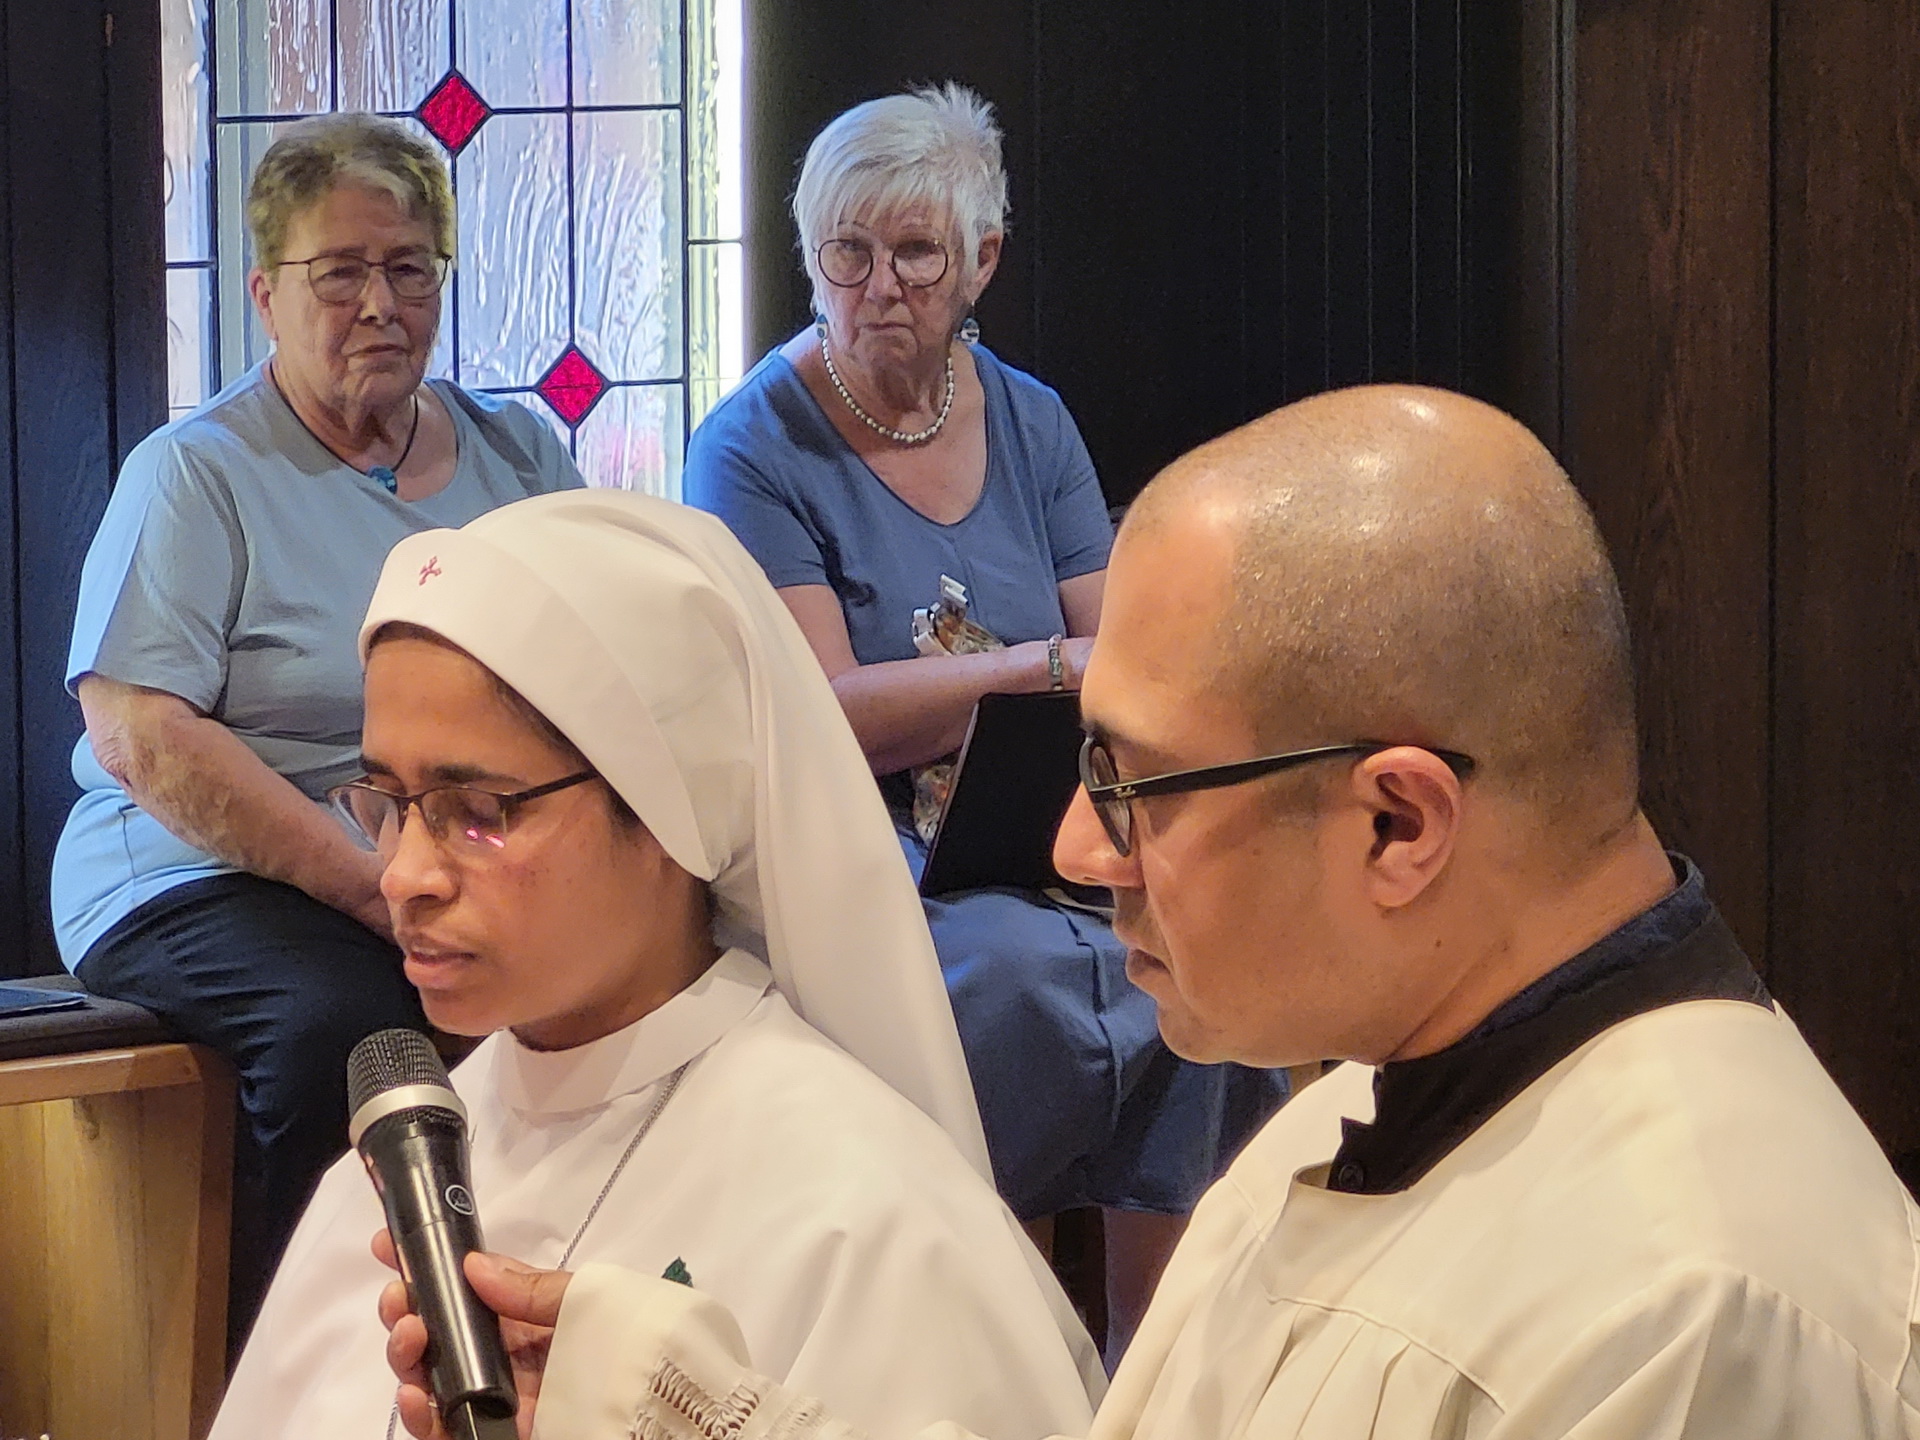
642 1359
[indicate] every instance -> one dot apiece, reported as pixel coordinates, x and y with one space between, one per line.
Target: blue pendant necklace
387 477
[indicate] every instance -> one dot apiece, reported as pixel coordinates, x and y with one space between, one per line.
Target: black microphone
411 1130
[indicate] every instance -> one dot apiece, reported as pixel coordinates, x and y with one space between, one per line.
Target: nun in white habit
719 1049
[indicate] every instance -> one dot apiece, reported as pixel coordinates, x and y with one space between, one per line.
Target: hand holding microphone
411 1130
528 1304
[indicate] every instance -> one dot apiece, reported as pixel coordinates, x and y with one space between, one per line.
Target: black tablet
27 1000
1017 772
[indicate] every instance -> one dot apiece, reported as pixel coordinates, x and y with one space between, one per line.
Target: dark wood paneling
14 905
1667 430
1847 678
1145 321
85 346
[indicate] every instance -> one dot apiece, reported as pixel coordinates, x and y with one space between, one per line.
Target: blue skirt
1082 1101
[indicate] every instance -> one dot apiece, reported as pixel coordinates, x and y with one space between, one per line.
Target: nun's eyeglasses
460 817
1112 797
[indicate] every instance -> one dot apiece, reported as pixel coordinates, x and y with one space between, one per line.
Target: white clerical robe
1680 1232
834 1219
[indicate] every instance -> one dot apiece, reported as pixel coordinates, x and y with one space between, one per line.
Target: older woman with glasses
868 462
213 655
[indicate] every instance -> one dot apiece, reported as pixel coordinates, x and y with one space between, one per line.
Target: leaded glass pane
189 337
713 121
512 185
626 52
242 340
275 57
514 51
717 324
634 439
392 52
626 217
184 129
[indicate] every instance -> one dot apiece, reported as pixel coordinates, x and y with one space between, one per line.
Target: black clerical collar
1679 950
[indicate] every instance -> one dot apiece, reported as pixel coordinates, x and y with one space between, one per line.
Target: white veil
645 632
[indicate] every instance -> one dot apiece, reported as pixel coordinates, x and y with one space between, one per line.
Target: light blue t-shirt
768 462
232 568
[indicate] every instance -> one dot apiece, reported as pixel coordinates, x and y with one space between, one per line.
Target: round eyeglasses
916 263
1112 797
459 817
342 279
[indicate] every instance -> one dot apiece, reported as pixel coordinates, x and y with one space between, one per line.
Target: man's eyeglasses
342 279
916 263
460 817
1112 796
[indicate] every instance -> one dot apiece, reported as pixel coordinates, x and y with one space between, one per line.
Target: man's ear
1416 802
261 289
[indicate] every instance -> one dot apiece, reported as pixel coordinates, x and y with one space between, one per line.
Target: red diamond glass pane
572 387
453 112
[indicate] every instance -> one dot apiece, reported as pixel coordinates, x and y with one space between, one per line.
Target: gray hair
311 157
937 146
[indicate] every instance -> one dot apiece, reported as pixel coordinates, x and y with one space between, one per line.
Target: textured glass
546 413
242 341
513 51
189 341
392 52
275 57
627 52
628 250
183 128
716 333
513 250
633 440
714 62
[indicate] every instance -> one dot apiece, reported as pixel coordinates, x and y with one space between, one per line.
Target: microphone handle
418 1162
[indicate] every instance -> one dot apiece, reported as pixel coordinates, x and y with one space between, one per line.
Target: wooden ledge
101 1072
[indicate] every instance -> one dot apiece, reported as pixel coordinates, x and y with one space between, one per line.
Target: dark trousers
284 987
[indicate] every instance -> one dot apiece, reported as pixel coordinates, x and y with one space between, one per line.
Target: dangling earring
969 330
820 325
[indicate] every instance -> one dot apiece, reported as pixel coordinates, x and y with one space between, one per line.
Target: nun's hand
528 1304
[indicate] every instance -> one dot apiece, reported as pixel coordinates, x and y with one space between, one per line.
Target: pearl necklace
905 437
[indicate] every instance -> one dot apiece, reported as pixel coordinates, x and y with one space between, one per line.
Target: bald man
1361 775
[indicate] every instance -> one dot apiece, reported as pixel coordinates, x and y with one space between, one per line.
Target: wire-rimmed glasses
342 279
459 817
1112 797
916 263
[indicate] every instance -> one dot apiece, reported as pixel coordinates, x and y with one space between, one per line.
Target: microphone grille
388 1059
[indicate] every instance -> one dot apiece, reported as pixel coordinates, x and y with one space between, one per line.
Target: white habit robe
1680 1232
835 1220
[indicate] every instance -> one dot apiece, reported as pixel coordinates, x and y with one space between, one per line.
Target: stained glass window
595 151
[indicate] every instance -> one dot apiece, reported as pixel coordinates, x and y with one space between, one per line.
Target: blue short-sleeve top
769 462
232 568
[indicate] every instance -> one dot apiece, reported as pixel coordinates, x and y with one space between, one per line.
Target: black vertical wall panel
13 874
86 346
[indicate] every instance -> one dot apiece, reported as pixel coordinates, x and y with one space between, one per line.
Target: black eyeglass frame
893 261
441 267
337 797
1108 798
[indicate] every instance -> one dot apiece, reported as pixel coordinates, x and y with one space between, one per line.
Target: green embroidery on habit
677 1272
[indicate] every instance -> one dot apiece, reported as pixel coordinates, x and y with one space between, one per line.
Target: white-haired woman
625 837
198 874
862 461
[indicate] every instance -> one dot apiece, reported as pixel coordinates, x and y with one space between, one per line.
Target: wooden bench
116 1173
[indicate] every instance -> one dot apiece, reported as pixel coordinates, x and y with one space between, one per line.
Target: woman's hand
528 1304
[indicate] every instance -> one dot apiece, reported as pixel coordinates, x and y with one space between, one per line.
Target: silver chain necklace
667 1089
905 437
